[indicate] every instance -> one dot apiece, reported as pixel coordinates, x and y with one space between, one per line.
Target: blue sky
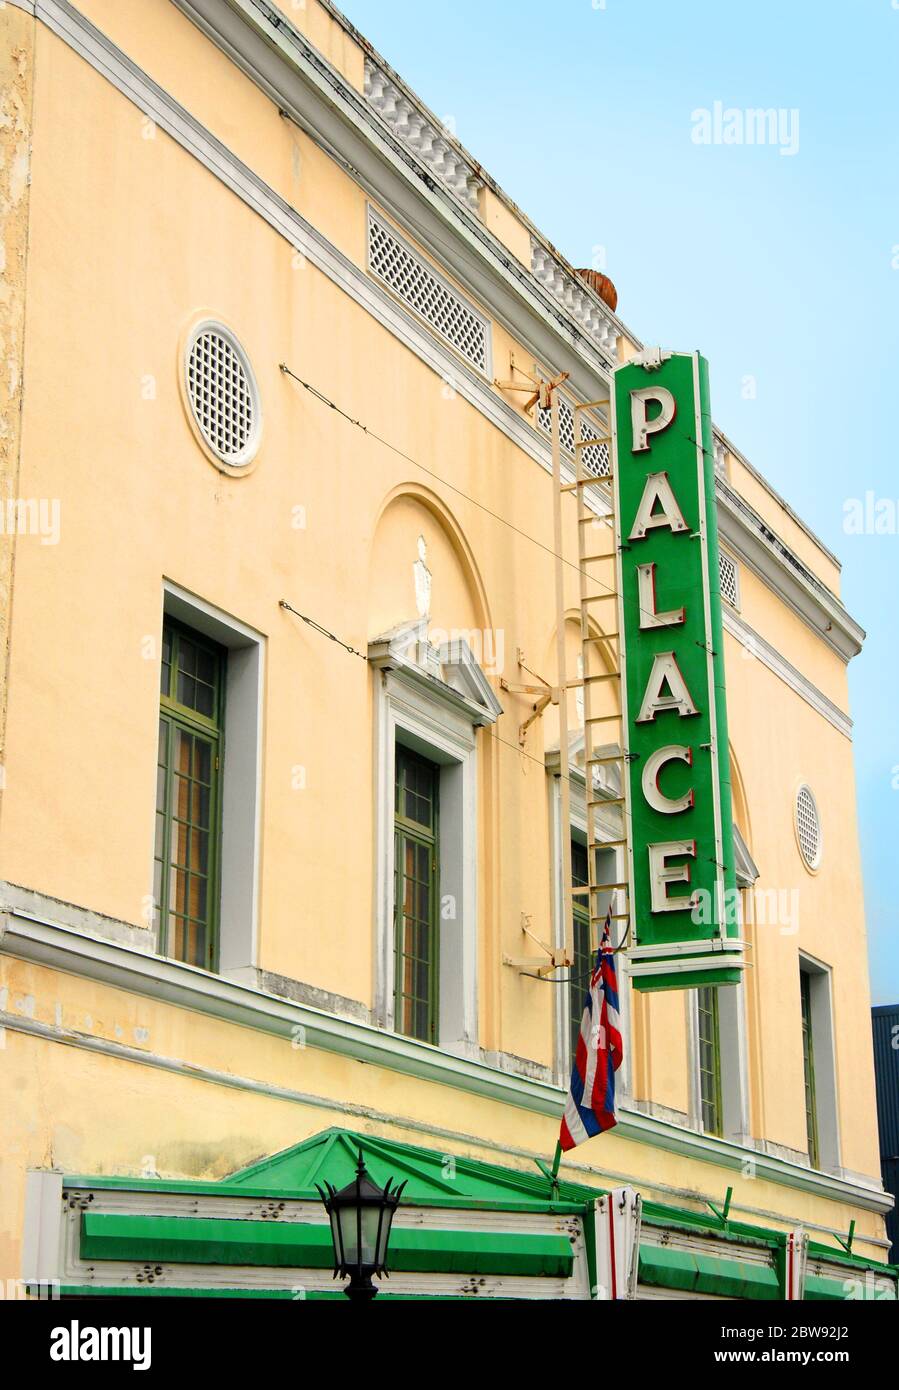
779 267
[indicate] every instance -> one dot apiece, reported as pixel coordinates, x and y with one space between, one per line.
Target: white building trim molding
751 540
769 656
44 942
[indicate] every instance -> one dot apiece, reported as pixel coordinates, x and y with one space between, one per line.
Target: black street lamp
361 1216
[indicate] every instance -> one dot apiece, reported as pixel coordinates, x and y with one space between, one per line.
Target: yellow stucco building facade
259 317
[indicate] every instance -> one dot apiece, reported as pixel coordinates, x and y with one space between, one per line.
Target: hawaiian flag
590 1108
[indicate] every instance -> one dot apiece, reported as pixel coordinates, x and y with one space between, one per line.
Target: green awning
301 1245
743 1260
700 1273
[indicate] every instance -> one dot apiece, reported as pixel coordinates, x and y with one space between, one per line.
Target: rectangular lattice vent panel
418 285
595 459
730 587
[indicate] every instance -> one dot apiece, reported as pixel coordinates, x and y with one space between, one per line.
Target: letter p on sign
643 428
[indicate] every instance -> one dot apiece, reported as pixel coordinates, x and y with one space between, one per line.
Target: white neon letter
646 597
657 491
660 874
672 752
665 671
643 428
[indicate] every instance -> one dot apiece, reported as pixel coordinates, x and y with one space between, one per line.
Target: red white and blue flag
590 1108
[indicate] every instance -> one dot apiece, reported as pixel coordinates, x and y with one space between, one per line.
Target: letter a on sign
677 787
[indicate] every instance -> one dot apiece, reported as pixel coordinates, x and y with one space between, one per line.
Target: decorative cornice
185 986
415 128
581 302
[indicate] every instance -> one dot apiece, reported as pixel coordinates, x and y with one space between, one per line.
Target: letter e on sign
661 873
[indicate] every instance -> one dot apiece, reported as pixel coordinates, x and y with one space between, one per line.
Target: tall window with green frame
808 1064
417 871
709 1059
188 795
582 964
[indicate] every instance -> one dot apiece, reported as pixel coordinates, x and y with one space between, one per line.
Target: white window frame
418 710
827 1106
733 1045
733 1057
238 949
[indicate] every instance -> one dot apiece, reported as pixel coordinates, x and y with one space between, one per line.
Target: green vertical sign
681 870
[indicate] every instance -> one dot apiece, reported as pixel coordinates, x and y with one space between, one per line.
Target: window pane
205 666
165 674
709 1059
185 801
416 788
186 690
808 1063
204 699
187 656
415 938
417 877
191 672
582 964
202 760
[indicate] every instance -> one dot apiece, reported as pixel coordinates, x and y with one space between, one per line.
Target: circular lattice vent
808 827
223 394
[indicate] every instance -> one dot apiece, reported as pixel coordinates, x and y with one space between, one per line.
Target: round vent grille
223 394
808 827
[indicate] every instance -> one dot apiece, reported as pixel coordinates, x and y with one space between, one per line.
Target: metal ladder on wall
594 591
600 626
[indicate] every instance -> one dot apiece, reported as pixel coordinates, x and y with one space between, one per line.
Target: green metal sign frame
683 891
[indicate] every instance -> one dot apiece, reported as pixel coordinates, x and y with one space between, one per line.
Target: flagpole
552 1173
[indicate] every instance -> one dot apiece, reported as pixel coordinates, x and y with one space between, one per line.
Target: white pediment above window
746 867
606 775
448 672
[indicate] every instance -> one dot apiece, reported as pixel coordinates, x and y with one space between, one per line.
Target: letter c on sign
643 428
669 806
